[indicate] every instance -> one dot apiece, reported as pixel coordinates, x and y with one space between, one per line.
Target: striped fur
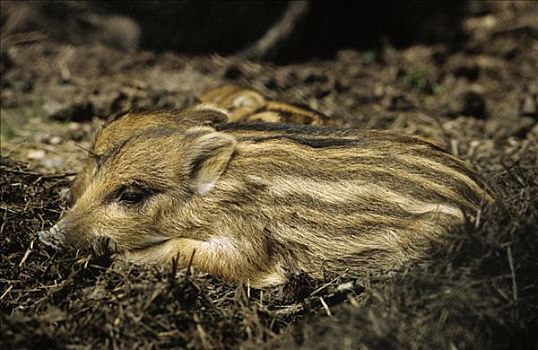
224 103
244 104
120 128
257 201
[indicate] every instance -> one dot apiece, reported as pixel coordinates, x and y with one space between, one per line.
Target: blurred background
399 65
280 31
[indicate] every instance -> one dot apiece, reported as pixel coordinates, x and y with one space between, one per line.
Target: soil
478 98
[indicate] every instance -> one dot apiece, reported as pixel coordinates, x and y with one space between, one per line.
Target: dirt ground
479 98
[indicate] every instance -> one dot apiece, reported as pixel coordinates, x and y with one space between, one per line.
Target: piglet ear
207 157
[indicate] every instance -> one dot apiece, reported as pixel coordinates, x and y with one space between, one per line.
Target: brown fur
252 202
249 105
118 130
236 104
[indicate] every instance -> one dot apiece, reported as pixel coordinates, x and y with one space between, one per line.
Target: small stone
73 126
55 140
36 154
53 163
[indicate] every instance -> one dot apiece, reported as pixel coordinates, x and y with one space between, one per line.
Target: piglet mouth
54 237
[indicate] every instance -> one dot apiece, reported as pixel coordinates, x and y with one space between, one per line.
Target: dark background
322 27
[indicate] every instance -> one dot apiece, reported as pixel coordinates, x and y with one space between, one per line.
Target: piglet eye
132 195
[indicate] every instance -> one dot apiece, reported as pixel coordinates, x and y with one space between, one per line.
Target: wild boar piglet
256 201
231 102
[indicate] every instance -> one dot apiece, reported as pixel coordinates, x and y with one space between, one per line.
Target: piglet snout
54 237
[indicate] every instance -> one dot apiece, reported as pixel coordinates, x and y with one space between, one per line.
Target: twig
280 31
478 217
7 291
326 307
324 286
288 310
65 73
27 253
189 270
513 273
202 334
509 171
